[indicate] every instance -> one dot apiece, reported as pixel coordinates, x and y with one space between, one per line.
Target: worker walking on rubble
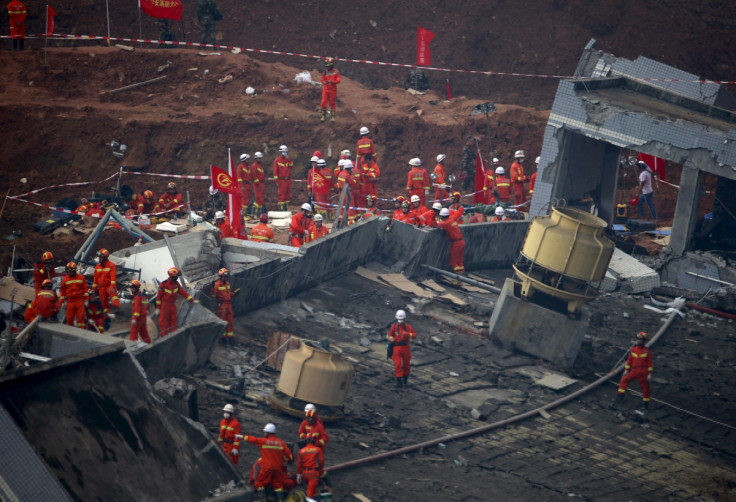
43 270
400 335
313 425
274 453
310 465
229 437
168 291
74 293
330 79
105 281
139 314
457 243
638 366
223 296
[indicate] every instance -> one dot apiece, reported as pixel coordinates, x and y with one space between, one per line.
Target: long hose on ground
501 423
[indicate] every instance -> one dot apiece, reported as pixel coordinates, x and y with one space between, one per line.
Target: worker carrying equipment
638 366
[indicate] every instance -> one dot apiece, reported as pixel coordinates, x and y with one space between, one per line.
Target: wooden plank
361 497
482 279
431 284
278 344
400 282
369 274
453 299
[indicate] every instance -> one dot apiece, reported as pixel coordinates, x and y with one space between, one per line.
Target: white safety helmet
437 206
499 170
415 198
495 160
321 162
317 217
229 408
400 315
213 190
441 157
536 161
519 154
244 157
346 153
258 155
283 149
499 211
219 214
270 428
314 159
415 162
444 212
364 130
347 164
307 207
309 407
341 163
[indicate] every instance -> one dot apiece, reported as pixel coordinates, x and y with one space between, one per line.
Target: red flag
480 174
222 181
166 9
424 38
447 85
50 13
655 163
234 200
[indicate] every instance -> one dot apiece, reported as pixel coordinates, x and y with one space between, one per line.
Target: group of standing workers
269 472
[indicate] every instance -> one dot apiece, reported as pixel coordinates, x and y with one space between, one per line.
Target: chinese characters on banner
424 38
166 9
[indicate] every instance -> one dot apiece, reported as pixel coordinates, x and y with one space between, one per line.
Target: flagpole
46 37
140 25
107 10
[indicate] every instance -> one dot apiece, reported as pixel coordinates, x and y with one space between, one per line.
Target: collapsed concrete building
108 429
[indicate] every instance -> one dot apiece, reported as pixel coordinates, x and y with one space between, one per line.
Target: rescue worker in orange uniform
244 181
96 318
74 293
313 425
168 291
139 311
300 223
397 206
365 145
170 201
352 180
500 215
638 366
43 270
274 453
456 209
430 216
457 243
17 14
317 229
104 282
258 178
282 166
370 207
226 230
405 214
46 304
440 178
344 155
518 178
369 172
310 465
503 185
489 184
144 203
533 178
400 335
223 295
261 231
229 437
417 182
321 187
330 79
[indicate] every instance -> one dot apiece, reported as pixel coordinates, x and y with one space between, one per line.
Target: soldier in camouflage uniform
215 202
208 14
468 164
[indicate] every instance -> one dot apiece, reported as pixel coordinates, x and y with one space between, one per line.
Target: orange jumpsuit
274 453
330 79
430 218
17 14
223 296
282 167
517 179
503 186
310 465
143 206
401 334
417 182
140 314
319 181
168 290
299 229
258 178
40 273
353 181
372 211
318 427
243 171
638 366
169 201
226 230
262 233
104 283
457 243
363 147
532 182
46 304
95 317
457 211
74 293
370 173
488 183
315 233
229 427
441 179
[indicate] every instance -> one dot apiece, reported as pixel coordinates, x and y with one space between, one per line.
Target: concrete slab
632 275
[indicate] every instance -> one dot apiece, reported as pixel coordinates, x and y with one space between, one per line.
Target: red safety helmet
263 218
135 283
634 201
148 194
456 195
47 256
329 62
174 272
400 198
642 335
317 154
171 185
310 414
71 266
222 271
47 282
103 252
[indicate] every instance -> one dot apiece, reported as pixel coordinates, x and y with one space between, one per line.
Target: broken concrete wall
96 424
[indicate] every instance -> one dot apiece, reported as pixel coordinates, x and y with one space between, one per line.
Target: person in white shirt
645 190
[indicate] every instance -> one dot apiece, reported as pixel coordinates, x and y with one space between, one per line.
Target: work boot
646 405
324 114
332 116
621 396
399 381
262 495
406 378
280 495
